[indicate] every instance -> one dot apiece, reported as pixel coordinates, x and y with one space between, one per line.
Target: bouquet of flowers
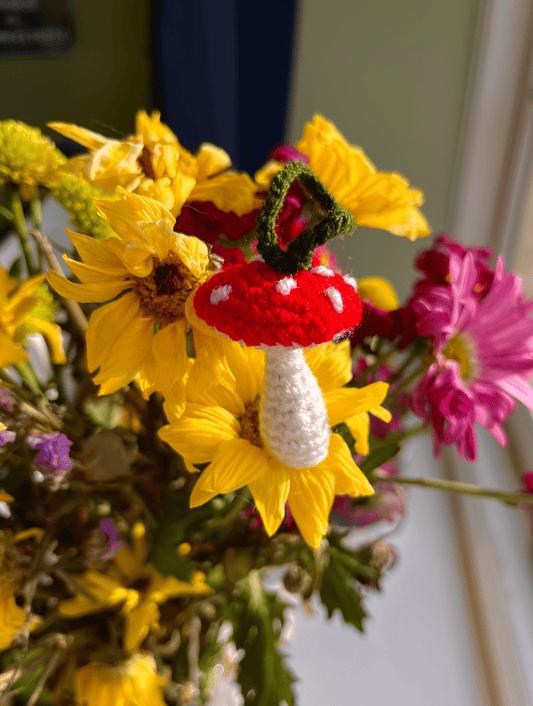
203 396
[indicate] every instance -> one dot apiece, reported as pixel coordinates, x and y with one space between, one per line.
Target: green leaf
257 618
380 455
209 657
16 269
343 431
169 535
338 588
176 522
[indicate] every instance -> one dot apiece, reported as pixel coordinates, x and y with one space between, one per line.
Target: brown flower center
145 160
250 425
166 289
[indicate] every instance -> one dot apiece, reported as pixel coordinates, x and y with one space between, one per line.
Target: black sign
35 27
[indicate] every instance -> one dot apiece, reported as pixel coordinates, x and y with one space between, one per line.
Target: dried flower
53 458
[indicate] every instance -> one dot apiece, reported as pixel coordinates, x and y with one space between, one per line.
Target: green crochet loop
299 254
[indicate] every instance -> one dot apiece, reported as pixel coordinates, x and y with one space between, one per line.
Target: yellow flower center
166 289
145 160
250 424
461 348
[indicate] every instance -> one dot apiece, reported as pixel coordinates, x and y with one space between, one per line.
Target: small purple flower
6 436
112 538
53 457
7 401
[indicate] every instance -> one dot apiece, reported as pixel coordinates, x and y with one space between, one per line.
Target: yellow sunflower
153 163
131 682
376 199
221 427
27 158
23 310
141 334
133 585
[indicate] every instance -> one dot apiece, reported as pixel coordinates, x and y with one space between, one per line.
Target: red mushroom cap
254 304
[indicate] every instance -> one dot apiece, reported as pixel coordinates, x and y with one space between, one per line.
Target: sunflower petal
10 352
359 427
349 479
107 324
94 292
345 403
331 364
270 491
125 358
88 274
124 214
198 435
229 191
236 463
167 361
53 335
139 623
310 499
87 138
95 252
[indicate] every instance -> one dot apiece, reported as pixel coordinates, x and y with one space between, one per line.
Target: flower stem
242 500
44 415
29 377
453 486
74 309
408 380
20 228
36 219
403 367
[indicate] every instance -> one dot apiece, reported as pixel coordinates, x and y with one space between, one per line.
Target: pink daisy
483 354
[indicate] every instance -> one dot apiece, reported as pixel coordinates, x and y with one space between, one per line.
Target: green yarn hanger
299 254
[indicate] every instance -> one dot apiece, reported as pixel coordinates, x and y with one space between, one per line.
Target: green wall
104 78
392 76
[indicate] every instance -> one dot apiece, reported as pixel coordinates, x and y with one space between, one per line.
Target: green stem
6 213
417 373
17 389
403 367
29 377
78 317
44 416
453 486
36 219
241 501
414 432
20 228
138 498
36 213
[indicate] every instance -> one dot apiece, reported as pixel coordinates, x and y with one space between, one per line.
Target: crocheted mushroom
284 305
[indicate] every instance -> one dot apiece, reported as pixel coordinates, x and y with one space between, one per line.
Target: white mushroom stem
293 416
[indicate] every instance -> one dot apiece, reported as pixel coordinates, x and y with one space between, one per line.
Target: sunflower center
145 160
461 348
250 425
166 289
